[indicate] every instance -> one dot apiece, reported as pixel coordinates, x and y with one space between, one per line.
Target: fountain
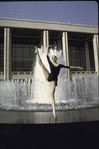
26 95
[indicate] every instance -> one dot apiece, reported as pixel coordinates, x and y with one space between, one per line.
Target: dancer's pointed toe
36 50
55 116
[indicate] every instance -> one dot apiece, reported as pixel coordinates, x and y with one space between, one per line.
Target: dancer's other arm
72 67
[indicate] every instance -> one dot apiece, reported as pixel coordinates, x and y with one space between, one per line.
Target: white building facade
18 39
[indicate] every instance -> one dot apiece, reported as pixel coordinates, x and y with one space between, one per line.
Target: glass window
26 61
14 45
77 54
73 54
91 56
18 52
18 45
13 63
32 54
26 64
14 52
32 46
83 55
1 53
23 54
18 62
24 45
74 62
72 48
2 45
26 52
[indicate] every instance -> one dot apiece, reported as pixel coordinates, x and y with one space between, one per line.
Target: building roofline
46 25
49 22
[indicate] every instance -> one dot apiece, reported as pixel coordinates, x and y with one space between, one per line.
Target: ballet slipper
54 115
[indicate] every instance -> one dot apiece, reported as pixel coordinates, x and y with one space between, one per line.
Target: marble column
96 53
45 38
65 51
7 53
87 56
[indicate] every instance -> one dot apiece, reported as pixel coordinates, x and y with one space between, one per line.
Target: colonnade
8 59
7 53
96 53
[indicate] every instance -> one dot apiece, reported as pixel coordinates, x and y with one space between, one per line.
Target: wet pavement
72 129
30 117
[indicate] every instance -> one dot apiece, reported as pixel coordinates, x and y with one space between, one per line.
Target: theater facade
18 38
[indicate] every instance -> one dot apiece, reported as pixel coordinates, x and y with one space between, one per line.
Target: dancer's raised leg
45 71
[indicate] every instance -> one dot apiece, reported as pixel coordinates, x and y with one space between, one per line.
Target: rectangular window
1 53
23 54
77 54
91 56
18 52
26 52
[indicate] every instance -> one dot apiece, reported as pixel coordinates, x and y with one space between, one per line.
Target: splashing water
41 93
23 95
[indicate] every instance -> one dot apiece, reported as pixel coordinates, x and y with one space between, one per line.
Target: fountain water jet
23 95
41 92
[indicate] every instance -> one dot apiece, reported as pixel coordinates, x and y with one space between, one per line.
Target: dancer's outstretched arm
72 67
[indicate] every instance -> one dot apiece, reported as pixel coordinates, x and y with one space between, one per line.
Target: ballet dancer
52 77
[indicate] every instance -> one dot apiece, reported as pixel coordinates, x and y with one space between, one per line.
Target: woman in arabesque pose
52 77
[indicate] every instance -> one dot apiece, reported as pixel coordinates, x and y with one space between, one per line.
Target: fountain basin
76 93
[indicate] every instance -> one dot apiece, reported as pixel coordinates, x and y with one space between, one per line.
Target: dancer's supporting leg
52 92
45 71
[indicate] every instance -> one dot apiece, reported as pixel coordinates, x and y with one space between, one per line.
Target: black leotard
54 70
